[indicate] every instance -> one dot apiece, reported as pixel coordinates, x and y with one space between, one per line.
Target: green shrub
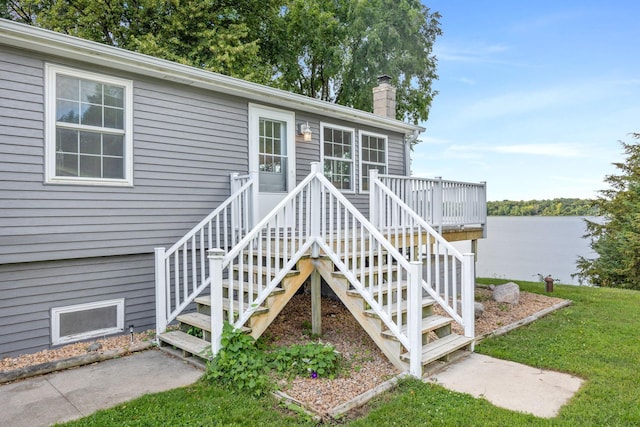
244 365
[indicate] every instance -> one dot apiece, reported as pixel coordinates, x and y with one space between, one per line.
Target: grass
597 339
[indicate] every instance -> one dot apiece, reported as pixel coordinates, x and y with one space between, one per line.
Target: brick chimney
384 98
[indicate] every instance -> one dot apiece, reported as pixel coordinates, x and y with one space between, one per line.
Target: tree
328 49
225 36
337 49
616 239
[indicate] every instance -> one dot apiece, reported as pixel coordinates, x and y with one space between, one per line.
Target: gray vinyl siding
310 152
186 143
70 244
28 292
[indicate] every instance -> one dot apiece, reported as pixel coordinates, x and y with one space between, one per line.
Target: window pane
90 166
114 96
66 164
66 141
113 118
91 115
91 92
90 143
67 111
113 167
67 88
113 145
328 149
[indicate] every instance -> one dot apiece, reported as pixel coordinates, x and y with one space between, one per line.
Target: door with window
271 155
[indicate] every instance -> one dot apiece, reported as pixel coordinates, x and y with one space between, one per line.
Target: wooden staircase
372 265
192 337
439 343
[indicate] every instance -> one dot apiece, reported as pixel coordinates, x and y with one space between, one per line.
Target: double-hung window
373 155
338 155
89 128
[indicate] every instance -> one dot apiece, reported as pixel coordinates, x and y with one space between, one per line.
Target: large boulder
508 293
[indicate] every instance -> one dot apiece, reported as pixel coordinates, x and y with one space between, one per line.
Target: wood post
216 257
316 301
468 294
161 292
414 319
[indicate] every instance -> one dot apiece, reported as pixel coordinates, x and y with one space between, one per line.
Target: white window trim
352 190
51 71
360 162
57 311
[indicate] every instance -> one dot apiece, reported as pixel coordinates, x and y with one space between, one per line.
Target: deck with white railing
249 269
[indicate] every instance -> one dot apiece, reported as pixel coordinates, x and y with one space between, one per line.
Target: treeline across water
553 207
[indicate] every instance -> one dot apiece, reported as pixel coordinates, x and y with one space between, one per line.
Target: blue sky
533 96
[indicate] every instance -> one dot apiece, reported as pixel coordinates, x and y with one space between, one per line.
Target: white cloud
470 53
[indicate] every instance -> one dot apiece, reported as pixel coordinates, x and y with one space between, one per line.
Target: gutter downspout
407 151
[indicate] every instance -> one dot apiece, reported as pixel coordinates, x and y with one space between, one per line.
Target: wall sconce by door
305 130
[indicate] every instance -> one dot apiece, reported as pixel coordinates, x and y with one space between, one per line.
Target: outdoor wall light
305 130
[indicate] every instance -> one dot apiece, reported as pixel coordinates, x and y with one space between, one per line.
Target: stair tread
426 302
429 323
206 300
246 266
245 287
201 321
376 289
441 347
186 342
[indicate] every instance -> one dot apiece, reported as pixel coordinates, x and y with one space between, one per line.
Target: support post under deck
316 309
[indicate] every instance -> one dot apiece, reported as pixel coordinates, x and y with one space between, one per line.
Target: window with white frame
338 156
373 155
89 128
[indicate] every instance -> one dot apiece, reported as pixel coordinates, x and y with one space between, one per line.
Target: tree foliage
328 49
616 239
337 49
549 207
225 36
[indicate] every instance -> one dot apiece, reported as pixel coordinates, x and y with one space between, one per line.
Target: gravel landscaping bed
367 366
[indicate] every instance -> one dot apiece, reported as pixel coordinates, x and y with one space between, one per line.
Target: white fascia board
52 43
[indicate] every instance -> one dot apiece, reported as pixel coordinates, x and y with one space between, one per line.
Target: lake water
523 247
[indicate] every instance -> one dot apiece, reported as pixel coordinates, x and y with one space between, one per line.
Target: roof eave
57 44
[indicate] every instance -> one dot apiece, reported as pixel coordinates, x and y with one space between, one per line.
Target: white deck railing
250 258
182 270
449 275
439 202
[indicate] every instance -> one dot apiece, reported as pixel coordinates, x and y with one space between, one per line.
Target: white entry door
271 155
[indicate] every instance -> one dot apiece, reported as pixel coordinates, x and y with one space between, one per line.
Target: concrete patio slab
510 385
76 393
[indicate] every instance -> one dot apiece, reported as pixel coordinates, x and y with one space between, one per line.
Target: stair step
245 287
440 348
245 268
206 300
430 323
376 289
187 343
426 302
202 321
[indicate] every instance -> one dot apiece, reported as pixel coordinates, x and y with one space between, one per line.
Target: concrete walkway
75 393
510 385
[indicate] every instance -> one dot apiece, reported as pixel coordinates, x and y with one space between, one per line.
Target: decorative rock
478 309
94 347
508 293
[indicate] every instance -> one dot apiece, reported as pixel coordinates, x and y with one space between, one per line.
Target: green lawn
597 339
